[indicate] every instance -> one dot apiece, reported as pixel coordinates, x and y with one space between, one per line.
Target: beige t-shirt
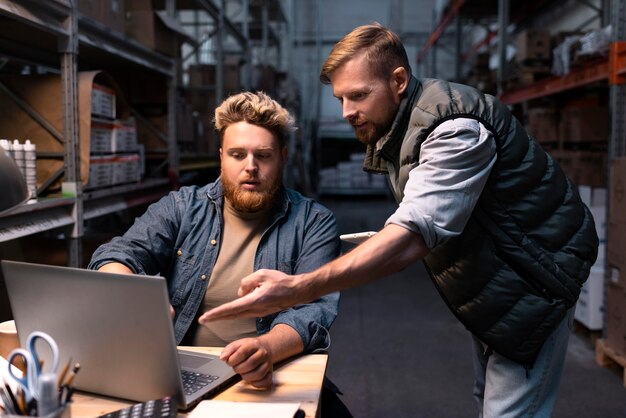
240 239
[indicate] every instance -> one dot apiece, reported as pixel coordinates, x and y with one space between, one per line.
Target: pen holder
64 411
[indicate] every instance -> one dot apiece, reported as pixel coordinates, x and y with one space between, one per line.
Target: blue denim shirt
179 238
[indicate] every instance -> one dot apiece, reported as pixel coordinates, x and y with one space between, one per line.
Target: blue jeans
505 389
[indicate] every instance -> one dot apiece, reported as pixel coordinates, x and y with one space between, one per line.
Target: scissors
30 380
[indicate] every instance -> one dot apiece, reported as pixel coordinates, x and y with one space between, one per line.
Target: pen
9 394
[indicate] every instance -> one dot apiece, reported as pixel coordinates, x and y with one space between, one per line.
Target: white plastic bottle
30 167
6 145
18 156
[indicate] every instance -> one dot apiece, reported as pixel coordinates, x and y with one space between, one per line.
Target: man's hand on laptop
252 360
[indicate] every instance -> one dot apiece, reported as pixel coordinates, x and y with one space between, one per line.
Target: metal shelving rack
71 33
60 38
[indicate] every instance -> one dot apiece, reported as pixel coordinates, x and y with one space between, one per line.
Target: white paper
214 408
6 377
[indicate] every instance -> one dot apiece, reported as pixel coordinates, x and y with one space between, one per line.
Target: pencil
72 375
64 372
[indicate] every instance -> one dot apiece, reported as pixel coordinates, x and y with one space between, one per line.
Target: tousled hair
256 109
383 48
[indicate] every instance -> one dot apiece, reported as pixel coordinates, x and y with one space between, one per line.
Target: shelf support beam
68 47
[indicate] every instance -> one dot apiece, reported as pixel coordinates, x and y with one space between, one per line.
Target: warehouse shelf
55 36
49 16
37 216
119 47
577 77
189 163
118 198
62 39
478 10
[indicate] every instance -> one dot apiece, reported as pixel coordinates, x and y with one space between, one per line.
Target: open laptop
117 326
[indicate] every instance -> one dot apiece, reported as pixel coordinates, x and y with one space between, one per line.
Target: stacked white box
101 137
590 304
328 178
126 169
100 171
103 101
124 136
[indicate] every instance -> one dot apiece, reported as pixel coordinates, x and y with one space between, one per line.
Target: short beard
247 201
374 131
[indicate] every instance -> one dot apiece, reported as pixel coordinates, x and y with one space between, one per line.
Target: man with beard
204 239
502 231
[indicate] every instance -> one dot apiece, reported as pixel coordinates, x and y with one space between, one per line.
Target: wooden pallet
606 357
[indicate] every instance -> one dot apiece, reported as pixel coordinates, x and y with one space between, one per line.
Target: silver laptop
118 327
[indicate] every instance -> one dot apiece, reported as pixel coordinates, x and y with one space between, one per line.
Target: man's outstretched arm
268 291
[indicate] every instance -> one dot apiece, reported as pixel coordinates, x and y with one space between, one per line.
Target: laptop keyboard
193 381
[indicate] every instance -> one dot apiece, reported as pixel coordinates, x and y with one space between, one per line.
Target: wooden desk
297 380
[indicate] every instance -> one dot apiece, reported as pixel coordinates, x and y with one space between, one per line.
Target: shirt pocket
182 275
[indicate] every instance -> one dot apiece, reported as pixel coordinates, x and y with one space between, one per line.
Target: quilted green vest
519 264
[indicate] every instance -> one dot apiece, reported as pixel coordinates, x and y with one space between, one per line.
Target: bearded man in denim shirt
205 239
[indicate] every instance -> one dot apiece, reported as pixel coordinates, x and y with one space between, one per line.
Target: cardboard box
103 101
114 13
44 94
156 30
585 124
148 133
533 44
204 75
90 8
543 124
616 250
587 168
616 318
111 13
617 196
590 305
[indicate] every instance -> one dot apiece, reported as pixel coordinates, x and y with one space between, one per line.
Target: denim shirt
179 238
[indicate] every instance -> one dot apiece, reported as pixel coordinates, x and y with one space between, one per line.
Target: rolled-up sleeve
441 192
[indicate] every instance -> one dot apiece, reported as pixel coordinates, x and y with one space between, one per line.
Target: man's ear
400 80
220 153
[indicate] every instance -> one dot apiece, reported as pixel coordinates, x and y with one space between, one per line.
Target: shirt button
213 242
203 277
179 253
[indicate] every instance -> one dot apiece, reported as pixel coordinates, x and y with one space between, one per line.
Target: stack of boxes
349 176
590 305
137 19
114 151
533 57
576 135
616 260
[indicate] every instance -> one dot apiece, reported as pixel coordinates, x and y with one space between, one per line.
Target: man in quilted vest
501 230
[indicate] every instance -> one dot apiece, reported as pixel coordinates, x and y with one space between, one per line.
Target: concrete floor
397 350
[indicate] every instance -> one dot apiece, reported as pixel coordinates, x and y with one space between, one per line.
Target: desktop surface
296 380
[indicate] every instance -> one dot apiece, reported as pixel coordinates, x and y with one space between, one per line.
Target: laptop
117 326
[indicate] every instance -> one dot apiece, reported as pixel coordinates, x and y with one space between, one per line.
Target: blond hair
256 109
384 51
